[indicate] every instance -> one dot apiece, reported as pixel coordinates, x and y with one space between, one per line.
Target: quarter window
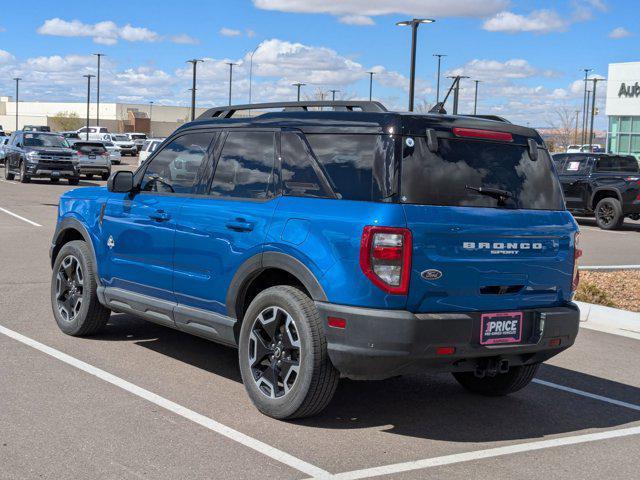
175 167
299 177
245 166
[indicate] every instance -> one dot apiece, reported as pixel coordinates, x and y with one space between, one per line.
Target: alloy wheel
69 288
606 214
274 352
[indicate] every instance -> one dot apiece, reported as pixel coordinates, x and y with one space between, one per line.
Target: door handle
160 216
240 225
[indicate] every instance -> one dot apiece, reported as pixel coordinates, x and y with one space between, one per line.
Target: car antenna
439 107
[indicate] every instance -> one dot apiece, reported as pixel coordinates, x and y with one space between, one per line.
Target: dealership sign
629 91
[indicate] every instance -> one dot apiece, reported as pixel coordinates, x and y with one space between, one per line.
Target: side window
174 168
348 161
299 177
245 166
576 165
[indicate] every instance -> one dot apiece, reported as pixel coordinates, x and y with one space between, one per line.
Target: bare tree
563 126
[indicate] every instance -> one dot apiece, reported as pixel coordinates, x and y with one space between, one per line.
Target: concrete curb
607 319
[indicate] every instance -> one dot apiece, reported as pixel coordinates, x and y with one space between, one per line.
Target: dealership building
152 119
623 108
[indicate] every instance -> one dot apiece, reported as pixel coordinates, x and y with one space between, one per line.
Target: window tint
617 164
348 162
174 168
245 166
299 177
455 175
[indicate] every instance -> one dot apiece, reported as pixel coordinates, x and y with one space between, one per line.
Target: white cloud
6 57
496 71
620 32
229 32
2 29
356 20
538 21
106 32
368 8
184 39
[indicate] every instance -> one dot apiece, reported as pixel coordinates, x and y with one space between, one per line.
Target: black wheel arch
70 229
252 268
604 192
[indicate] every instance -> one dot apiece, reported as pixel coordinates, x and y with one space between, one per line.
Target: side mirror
120 182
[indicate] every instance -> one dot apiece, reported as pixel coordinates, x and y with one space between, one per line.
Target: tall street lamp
194 62
251 71
231 64
585 104
88 77
414 24
371 74
593 110
298 85
439 55
17 79
333 95
99 55
151 118
456 92
475 98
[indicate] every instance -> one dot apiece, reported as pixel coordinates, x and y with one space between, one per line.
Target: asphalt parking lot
143 401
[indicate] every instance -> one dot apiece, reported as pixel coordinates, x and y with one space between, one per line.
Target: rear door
491 251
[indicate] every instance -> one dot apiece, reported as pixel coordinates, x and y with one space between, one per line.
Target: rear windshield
454 175
90 148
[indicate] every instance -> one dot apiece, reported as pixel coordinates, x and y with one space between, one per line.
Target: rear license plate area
501 328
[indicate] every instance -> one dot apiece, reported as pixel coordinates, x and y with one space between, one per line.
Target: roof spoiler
337 105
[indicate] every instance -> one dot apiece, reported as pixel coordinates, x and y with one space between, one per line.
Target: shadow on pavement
423 406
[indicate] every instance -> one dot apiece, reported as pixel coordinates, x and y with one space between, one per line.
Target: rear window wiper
497 193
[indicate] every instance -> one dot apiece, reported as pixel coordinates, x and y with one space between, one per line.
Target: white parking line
488 453
19 217
7 181
195 417
587 394
597 229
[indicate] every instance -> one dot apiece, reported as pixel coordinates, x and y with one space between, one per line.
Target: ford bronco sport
347 241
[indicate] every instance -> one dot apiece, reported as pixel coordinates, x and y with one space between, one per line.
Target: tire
105 176
7 174
89 176
68 286
24 178
54 180
74 181
316 379
502 384
609 214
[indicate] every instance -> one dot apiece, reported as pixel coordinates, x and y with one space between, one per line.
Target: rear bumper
378 344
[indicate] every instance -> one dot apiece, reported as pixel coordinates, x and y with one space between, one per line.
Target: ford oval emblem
431 274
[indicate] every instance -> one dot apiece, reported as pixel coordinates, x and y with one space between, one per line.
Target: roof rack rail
346 105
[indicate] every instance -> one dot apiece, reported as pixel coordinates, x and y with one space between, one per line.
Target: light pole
99 55
251 71
415 23
17 79
333 95
439 55
88 77
231 64
194 62
593 110
371 74
475 101
575 136
298 84
151 118
456 92
585 104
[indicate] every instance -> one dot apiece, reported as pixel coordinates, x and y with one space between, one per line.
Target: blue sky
528 55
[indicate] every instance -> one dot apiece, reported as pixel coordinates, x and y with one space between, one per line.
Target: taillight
577 253
483 134
385 258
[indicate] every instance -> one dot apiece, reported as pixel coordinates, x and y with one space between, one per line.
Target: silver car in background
3 141
150 146
114 150
93 158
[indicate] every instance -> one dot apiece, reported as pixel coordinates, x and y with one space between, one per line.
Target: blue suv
333 238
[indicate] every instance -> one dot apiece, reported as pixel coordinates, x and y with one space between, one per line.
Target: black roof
350 116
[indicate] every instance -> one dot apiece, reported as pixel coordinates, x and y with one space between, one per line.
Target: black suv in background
599 184
40 155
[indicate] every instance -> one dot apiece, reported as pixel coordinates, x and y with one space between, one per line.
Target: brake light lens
577 253
385 258
483 134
